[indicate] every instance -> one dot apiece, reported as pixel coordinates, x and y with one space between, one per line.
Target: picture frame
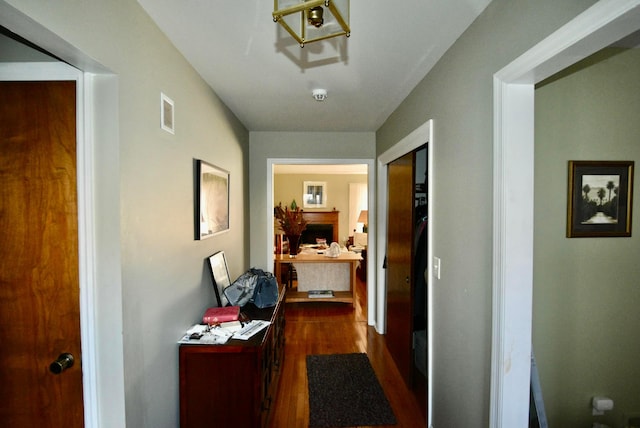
219 271
167 114
314 194
211 200
600 199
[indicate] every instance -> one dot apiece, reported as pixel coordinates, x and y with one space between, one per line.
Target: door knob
63 362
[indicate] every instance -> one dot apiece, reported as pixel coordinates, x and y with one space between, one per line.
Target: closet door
39 299
400 262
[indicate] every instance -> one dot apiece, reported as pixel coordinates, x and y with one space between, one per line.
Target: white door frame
57 71
602 24
417 138
371 283
98 242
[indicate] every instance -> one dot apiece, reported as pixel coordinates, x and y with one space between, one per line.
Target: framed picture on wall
600 198
314 194
211 200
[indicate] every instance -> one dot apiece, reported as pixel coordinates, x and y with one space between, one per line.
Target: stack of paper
250 329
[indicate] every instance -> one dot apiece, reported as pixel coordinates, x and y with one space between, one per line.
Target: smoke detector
319 94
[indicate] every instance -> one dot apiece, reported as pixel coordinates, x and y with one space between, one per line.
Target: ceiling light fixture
319 94
308 21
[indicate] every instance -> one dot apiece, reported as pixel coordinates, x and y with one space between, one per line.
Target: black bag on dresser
254 286
240 292
265 294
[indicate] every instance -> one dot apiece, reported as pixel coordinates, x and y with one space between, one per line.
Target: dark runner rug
344 392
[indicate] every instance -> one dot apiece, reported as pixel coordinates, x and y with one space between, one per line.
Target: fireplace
317 231
321 224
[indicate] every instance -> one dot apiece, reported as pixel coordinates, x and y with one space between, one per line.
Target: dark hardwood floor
327 328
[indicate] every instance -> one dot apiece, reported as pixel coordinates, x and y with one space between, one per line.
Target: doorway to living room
337 179
331 202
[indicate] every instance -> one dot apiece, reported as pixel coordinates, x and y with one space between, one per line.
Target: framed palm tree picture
600 199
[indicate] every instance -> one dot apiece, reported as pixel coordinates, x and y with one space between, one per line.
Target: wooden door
400 262
39 280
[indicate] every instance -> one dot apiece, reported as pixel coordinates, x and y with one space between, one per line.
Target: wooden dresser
233 385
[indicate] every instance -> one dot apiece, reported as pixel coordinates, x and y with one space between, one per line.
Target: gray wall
165 287
293 145
586 294
458 95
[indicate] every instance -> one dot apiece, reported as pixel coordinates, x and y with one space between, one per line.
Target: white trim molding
602 24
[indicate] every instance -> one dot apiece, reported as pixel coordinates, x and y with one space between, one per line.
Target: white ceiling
266 79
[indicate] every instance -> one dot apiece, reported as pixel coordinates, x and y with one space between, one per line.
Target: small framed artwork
600 198
211 200
166 113
314 194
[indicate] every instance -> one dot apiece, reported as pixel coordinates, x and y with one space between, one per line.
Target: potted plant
292 224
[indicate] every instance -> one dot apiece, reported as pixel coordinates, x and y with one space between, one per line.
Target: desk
341 270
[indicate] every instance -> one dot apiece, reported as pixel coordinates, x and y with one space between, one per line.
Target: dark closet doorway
406 266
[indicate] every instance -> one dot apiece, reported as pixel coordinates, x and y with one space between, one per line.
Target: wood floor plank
328 328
